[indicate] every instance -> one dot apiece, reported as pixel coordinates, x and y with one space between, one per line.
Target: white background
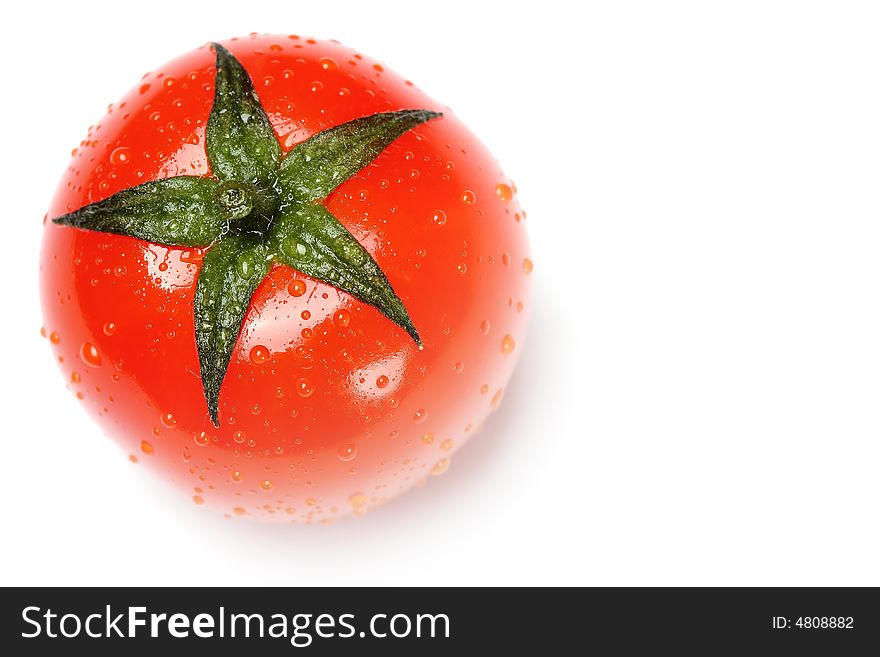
698 399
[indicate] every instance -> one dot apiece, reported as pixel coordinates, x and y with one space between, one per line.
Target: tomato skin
327 408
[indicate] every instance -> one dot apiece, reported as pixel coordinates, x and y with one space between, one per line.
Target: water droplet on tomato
346 452
497 397
328 63
146 447
259 354
504 192
507 344
168 420
239 437
382 381
439 218
297 288
440 467
266 485
342 318
485 326
446 445
198 499
468 197
109 328
54 338
462 268
304 387
428 438
528 266
201 439
420 416
237 477
458 368
357 500
90 355
121 155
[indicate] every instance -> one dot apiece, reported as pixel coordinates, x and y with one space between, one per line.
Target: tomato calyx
260 206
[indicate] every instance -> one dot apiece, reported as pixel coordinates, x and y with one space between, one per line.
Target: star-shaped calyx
260 206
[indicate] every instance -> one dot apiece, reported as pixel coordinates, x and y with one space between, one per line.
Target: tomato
327 406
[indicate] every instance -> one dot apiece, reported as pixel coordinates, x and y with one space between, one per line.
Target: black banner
433 621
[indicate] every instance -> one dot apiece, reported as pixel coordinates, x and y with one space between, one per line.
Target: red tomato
327 407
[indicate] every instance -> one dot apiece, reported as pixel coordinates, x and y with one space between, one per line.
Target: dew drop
439 218
109 328
121 155
504 192
342 318
328 63
440 467
507 344
420 416
146 447
428 438
168 420
75 377
346 452
54 338
198 499
382 381
462 268
468 197
297 288
90 355
357 500
237 477
497 397
259 354
201 439
485 326
239 511
528 266
458 368
304 387
446 445
239 437
266 485
316 86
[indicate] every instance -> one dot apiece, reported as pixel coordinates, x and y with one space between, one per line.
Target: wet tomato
282 276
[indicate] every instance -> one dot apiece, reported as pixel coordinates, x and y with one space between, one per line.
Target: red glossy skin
340 410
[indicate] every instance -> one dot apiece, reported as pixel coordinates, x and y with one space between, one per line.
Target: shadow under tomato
393 524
